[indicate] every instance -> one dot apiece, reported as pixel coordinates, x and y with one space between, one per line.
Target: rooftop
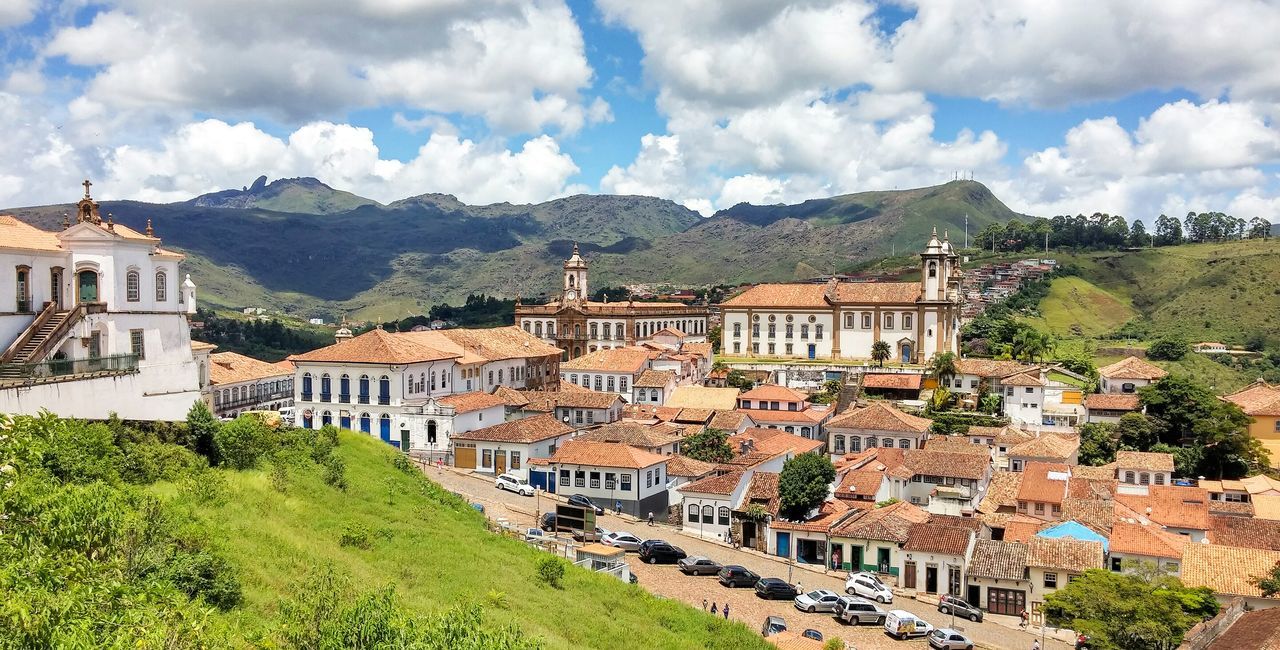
1132 368
232 368
605 454
880 416
892 381
1172 506
990 367
891 523
723 484
998 560
1259 398
1145 460
629 360
1226 569
1048 446
1245 532
932 538
525 430
719 399
1113 402
859 483
634 434
469 402
655 379
545 401
775 441
762 491
685 467
1147 540
938 463
773 393
1064 554
1044 482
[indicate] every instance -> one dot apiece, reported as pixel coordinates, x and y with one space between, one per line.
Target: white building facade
93 321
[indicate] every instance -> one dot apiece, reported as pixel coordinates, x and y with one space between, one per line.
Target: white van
901 624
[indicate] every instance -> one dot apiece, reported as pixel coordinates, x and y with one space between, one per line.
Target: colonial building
238 383
842 320
93 321
394 383
580 326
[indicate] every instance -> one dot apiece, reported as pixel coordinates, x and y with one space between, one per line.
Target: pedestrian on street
704 604
713 609
617 507
1035 645
1023 616
726 613
650 517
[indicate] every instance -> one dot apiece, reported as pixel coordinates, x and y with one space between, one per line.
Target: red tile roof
231 368
1132 368
1048 446
893 381
1000 560
655 379
1022 379
1246 532
376 346
936 463
1044 482
1112 402
1259 398
865 293
526 430
1064 554
683 466
932 538
773 393
1172 506
629 360
775 441
1002 492
1226 570
1149 540
542 400
780 295
1144 460
829 513
605 454
474 401
880 416
811 415
762 491
634 434
990 367
891 523
1255 630
859 483
723 484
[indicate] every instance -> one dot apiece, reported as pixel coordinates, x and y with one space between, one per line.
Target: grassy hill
1077 307
299 246
436 552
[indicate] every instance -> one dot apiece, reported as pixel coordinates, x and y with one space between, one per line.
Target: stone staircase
35 343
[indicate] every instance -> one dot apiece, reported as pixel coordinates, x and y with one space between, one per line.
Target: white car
868 586
901 624
619 539
513 483
819 600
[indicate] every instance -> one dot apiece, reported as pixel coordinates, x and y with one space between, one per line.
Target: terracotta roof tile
1259 398
780 295
630 360
231 368
774 393
378 347
794 641
605 454
1235 508
513 397
729 420
891 523
1226 569
1112 402
957 445
863 293
704 397
541 400
892 381
775 441
998 560
1132 368
1022 379
723 484
859 483
811 415
1002 491
685 467
1020 527
955 521
473 401
1044 482
1064 554
990 367
1173 506
525 430
21 235
655 379
1095 473
1149 540
879 416
201 346
1144 460
700 349
1245 532
831 512
1255 630
693 416
634 434
1098 514
932 538
1048 446
934 463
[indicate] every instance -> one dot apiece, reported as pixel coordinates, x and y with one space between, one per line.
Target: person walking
617 507
713 609
1035 645
704 604
1023 616
650 517
726 612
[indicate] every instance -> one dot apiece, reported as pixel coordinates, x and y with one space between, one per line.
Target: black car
734 575
654 551
775 589
548 522
812 634
581 500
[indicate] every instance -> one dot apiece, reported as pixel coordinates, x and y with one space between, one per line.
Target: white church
842 320
94 320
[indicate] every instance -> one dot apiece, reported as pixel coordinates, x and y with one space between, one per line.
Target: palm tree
880 351
1031 345
943 366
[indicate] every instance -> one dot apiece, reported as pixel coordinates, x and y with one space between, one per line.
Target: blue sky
1131 108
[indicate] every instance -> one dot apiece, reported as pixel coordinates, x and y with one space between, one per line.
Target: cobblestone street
669 582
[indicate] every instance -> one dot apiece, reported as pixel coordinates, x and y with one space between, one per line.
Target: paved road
667 581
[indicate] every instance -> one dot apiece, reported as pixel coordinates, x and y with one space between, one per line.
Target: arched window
571 285
537 329
708 515
848 321
364 422
384 390
306 419
871 443
326 418
431 431
344 388
906 321
24 289
306 386
1129 478
132 286
551 329
904 443
887 442
594 331
326 388
693 513
855 444
723 513
933 269
1144 479
162 286
364 389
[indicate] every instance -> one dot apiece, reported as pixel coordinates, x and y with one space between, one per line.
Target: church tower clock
575 279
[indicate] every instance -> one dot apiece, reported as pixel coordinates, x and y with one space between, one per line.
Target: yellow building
1261 401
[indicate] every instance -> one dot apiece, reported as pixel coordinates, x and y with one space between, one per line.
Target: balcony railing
326 397
305 396
115 364
364 399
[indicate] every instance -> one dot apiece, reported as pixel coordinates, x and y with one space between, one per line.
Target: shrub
356 535
206 487
150 462
202 428
834 643
335 472
497 599
324 442
80 452
402 463
242 442
1168 349
202 574
551 570
279 474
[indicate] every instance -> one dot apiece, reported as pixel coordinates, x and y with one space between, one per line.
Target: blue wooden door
365 425
384 430
346 422
906 354
813 351
784 544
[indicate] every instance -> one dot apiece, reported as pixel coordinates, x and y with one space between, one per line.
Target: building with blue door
509 446
614 475
413 390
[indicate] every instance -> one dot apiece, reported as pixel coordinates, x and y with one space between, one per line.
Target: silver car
624 541
945 638
818 600
854 611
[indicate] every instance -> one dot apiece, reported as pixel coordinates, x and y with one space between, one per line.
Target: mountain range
305 248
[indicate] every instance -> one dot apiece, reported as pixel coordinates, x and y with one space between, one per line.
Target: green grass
1077 307
1221 378
436 552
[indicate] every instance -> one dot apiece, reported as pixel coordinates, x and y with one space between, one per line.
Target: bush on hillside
550 570
150 462
356 536
242 442
1168 349
201 574
335 472
201 429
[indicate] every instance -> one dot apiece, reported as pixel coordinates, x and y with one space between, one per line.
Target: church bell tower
575 279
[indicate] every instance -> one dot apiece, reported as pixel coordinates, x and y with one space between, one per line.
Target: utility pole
1046 243
966 230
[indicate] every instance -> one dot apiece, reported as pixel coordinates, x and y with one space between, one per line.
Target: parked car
868 586
512 483
699 566
660 551
945 638
619 539
901 624
818 600
533 534
479 507
812 634
581 500
775 589
773 625
599 534
738 576
856 610
548 522
949 604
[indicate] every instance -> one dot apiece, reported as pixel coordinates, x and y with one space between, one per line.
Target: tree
201 429
1031 344
713 337
1138 237
738 379
1187 414
940 400
1168 231
1259 228
1136 431
1097 443
1268 582
803 484
242 442
709 445
1141 609
880 351
1169 348
943 367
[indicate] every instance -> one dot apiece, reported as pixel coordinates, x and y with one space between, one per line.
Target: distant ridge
301 195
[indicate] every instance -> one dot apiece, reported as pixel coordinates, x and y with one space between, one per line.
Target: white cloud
519 65
213 155
16 12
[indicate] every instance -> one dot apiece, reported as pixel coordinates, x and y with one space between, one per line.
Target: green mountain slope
299 246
